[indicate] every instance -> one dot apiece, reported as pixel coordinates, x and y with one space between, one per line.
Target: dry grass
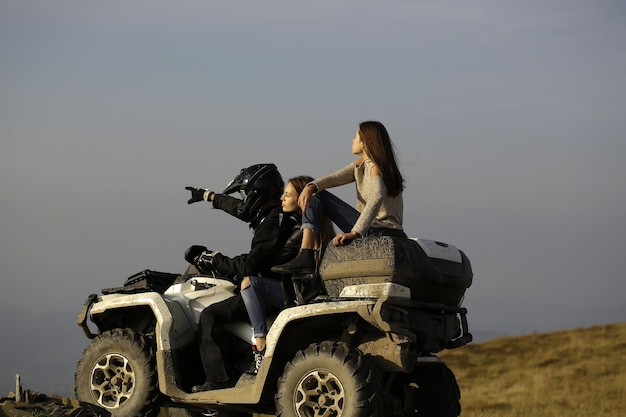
576 373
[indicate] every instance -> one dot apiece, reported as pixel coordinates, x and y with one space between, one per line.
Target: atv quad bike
359 339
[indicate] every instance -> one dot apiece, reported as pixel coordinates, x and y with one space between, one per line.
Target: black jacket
276 240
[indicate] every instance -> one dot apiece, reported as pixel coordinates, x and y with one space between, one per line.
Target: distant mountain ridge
43 348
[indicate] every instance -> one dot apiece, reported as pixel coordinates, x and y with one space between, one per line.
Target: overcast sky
508 117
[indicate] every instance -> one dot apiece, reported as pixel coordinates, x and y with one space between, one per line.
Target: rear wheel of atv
431 390
117 372
329 379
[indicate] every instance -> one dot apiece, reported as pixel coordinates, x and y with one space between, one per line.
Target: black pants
214 349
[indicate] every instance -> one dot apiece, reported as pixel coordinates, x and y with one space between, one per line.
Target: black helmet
257 184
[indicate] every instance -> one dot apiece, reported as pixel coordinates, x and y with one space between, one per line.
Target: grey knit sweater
376 207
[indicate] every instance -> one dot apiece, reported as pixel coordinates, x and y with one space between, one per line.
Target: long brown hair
326 229
380 149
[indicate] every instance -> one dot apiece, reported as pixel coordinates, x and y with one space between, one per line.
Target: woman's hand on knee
304 199
245 283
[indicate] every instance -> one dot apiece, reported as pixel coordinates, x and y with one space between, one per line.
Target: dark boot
303 263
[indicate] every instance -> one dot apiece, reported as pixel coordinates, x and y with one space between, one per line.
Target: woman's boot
303 263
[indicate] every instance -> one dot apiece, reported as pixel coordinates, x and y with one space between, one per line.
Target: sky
507 117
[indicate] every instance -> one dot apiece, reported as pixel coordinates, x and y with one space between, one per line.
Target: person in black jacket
260 187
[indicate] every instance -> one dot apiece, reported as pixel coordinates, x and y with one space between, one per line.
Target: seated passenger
261 293
379 208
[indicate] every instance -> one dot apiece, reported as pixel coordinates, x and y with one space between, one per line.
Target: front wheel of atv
431 390
329 379
117 372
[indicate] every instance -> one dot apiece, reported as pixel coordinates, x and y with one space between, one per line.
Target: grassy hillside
576 373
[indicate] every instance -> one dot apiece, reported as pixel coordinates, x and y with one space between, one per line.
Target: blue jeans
340 213
261 294
331 206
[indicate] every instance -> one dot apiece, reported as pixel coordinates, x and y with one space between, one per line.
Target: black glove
193 252
198 194
204 261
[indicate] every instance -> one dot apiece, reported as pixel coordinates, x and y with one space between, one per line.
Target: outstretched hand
198 194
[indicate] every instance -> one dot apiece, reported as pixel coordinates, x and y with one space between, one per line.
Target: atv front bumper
81 320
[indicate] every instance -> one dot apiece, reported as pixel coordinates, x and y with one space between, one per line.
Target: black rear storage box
435 272
144 281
